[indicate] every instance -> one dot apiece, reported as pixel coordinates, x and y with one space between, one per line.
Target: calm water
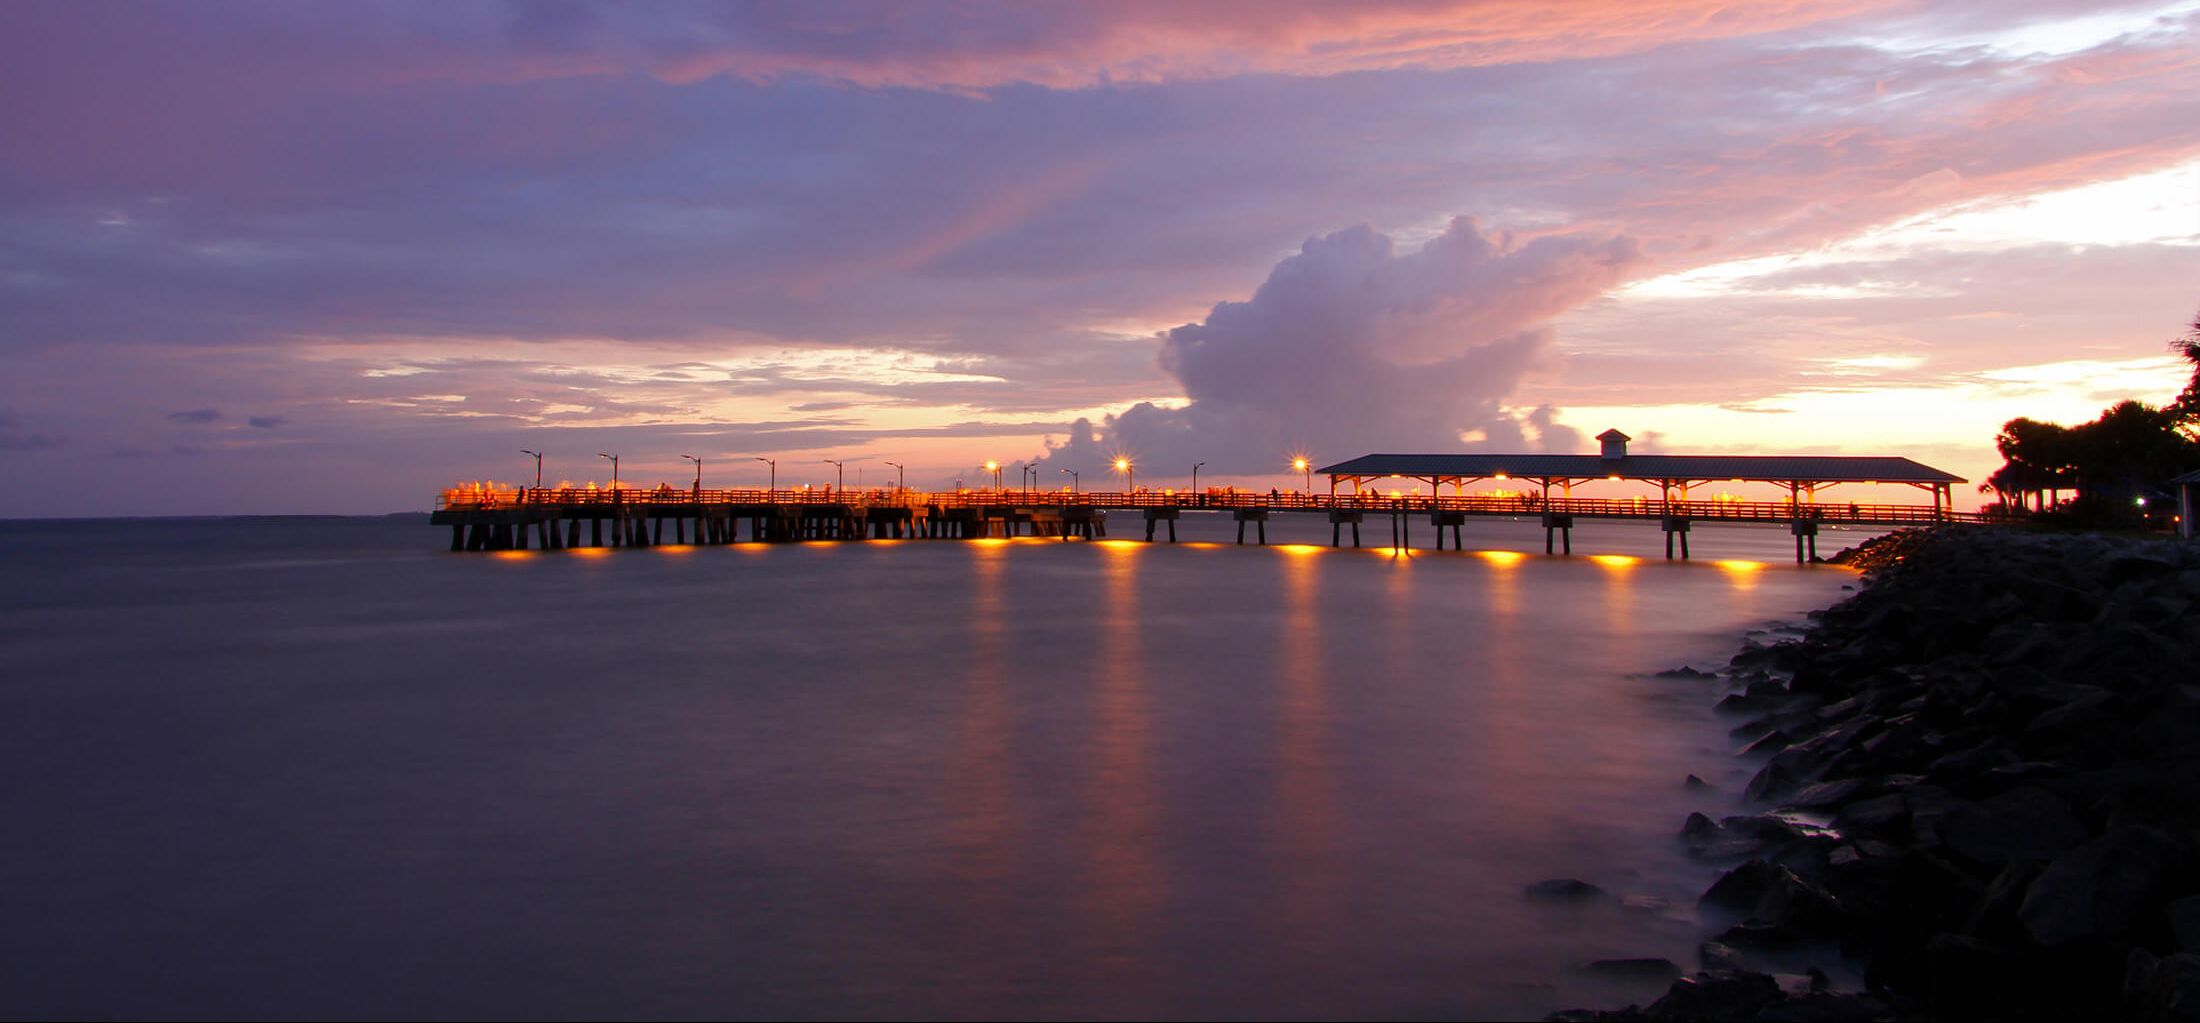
321 767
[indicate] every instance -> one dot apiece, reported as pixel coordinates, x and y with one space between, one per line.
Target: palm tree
2187 405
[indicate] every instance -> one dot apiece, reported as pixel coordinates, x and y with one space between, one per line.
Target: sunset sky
319 257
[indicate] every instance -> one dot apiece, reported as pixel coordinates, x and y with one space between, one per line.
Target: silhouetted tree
2187 406
2038 460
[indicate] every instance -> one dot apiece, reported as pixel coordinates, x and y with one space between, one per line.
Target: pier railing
667 498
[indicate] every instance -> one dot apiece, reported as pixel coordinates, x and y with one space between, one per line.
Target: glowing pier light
1504 559
1616 560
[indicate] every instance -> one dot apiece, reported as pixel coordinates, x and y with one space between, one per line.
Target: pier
553 518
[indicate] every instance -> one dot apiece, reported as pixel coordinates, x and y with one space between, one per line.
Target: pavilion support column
458 536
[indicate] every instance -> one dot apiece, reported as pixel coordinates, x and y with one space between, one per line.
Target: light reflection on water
981 779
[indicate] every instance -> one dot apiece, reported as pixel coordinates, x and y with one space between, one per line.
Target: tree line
2109 466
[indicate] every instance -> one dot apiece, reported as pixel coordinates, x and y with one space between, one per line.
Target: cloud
1356 347
196 417
987 45
14 436
267 422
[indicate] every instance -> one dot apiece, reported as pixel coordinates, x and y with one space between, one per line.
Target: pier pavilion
1802 476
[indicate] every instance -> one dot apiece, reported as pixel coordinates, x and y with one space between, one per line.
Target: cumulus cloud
1351 346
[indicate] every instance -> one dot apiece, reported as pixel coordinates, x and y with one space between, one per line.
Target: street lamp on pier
994 468
901 476
538 466
1072 480
1195 478
840 476
614 468
698 475
1027 476
1301 464
1130 474
773 493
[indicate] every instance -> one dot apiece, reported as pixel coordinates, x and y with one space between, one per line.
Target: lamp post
1301 464
840 477
614 469
538 466
1072 480
1027 476
1195 477
1130 474
774 491
994 468
901 476
698 475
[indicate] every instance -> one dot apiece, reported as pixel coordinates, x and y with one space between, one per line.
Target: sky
270 257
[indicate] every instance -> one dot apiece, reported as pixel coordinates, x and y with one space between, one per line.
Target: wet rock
1717 955
1635 969
1716 996
1565 889
1776 895
1645 903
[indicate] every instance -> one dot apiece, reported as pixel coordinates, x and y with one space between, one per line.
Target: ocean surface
323 767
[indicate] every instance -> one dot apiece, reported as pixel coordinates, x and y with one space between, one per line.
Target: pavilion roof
1752 468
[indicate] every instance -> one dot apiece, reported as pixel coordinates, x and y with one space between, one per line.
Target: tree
2187 406
2037 461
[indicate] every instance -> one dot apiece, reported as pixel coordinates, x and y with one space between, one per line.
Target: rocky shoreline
1981 782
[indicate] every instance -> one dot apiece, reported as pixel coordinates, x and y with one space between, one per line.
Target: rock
2101 890
2161 989
1635 969
1827 1007
1695 784
1825 793
1715 996
1774 894
1970 979
1716 955
1874 816
1564 889
2027 823
2184 922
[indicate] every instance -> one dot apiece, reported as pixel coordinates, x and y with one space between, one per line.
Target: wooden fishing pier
556 518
